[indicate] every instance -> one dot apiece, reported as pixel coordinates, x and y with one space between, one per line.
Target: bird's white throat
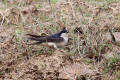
65 37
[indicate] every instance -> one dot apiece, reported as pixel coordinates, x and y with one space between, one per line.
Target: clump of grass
82 77
87 61
102 3
44 50
112 64
53 1
19 57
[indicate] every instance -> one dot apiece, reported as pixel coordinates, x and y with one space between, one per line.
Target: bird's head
63 33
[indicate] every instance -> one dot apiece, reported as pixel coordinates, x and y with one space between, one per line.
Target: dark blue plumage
57 35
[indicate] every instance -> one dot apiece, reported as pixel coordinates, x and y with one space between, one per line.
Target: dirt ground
93 51
44 67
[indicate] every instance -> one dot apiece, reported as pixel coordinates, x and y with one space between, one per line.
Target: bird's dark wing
42 39
54 39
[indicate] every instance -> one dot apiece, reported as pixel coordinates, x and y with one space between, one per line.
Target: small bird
54 40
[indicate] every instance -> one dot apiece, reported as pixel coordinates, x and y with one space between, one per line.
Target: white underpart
52 44
64 36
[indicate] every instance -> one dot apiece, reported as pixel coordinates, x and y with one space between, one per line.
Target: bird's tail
35 43
35 38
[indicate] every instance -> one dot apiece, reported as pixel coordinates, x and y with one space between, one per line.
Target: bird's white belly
52 44
60 44
63 43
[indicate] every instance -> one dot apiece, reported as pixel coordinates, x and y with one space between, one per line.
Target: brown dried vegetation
93 51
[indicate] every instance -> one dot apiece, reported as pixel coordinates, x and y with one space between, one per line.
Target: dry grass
93 51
